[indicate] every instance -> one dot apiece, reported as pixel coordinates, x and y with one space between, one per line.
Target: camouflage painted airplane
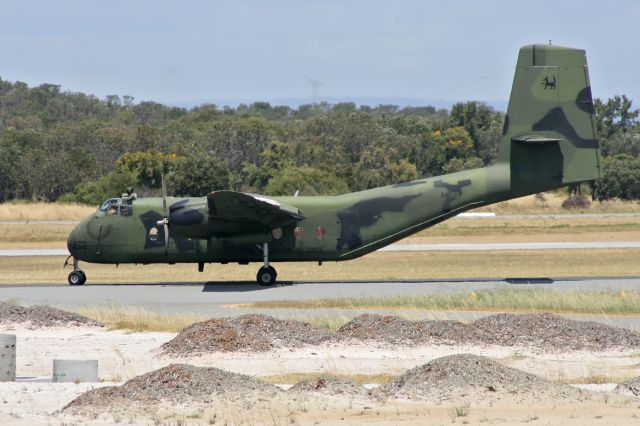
548 141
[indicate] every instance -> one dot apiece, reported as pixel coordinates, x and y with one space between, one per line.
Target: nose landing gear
77 276
266 274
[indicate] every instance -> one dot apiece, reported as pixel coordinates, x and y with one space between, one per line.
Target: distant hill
498 105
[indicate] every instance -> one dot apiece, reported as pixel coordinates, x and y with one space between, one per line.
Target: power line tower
315 85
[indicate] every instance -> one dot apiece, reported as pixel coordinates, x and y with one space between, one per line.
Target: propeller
165 220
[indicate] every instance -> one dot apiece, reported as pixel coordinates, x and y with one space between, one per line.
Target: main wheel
267 276
77 278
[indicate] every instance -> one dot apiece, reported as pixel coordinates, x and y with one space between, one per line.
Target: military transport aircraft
548 141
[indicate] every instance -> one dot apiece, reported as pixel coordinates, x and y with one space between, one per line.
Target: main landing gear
266 274
77 276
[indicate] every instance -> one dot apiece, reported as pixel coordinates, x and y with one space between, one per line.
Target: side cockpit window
109 204
116 207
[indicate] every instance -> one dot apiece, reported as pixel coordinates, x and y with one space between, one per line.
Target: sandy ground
123 355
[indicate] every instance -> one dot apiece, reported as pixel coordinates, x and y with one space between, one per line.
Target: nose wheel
77 276
267 274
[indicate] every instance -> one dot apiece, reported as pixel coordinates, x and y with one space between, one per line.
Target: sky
229 51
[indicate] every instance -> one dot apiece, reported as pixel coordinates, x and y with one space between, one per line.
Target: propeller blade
166 238
164 198
165 220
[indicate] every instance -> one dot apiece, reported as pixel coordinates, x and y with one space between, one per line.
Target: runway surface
221 299
412 247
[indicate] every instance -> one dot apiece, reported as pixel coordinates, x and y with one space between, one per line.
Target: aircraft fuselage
334 228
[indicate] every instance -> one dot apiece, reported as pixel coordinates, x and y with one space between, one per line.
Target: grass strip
293 378
459 230
601 302
134 318
138 319
376 266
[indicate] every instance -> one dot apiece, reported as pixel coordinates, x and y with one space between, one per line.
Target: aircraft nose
76 241
71 241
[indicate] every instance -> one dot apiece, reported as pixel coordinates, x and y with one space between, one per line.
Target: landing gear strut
77 276
267 274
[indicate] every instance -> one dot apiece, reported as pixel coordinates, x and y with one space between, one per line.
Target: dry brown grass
30 234
24 210
293 378
596 379
376 266
136 318
540 229
43 211
553 204
462 230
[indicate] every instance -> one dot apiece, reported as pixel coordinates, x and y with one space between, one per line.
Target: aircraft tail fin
549 137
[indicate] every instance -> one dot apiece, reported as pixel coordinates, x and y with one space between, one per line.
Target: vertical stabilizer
549 134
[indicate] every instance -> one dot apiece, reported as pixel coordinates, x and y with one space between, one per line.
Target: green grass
605 302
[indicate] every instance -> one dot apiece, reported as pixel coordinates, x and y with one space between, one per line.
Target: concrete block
7 357
75 370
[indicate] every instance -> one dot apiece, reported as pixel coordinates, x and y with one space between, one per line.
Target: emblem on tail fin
549 83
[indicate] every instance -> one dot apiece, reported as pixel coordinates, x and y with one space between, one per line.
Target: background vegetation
60 145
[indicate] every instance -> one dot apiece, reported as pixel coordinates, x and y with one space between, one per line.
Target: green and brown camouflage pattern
548 141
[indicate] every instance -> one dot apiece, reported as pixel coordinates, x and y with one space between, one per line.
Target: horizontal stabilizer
534 139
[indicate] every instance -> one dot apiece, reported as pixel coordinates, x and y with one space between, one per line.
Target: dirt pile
629 387
246 332
551 331
394 330
176 384
472 378
42 316
329 385
546 331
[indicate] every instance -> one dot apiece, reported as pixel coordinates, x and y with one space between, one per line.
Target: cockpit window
116 207
110 202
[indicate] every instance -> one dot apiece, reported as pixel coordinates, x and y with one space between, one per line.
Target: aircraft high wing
230 206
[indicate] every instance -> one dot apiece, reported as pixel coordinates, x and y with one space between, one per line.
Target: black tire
266 276
77 278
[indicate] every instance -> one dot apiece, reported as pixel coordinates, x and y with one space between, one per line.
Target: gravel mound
551 331
176 384
329 385
394 330
245 333
629 387
42 316
545 331
468 377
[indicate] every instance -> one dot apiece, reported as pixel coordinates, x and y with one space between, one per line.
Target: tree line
62 145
